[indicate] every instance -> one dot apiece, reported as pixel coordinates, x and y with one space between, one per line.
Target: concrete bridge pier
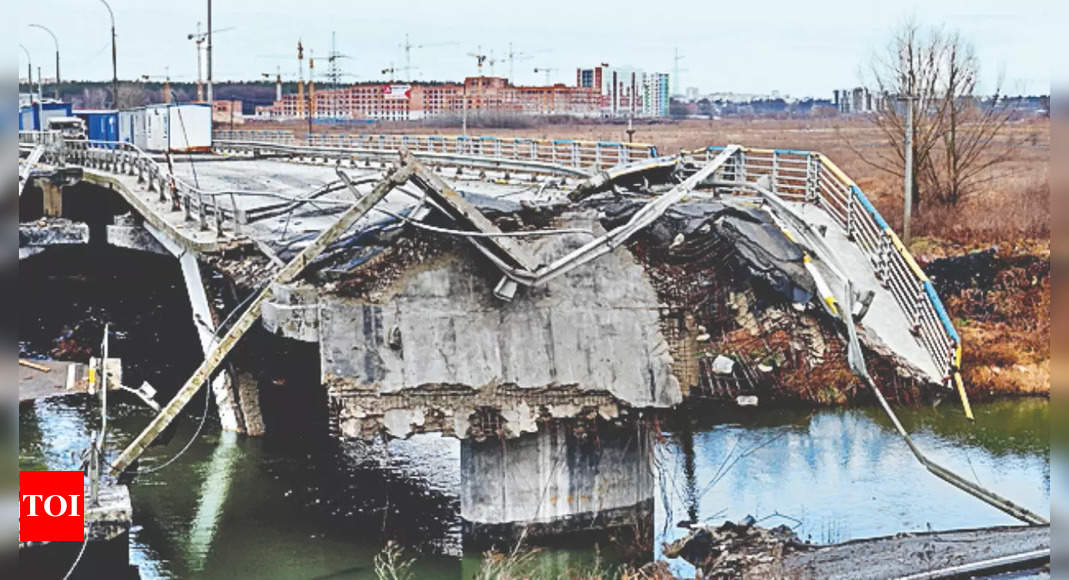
571 475
236 396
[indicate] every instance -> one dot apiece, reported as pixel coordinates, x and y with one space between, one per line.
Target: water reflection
836 475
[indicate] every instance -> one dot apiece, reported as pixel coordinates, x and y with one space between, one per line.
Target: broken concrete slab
36 236
595 328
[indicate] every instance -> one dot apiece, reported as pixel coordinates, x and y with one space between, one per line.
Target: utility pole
464 111
209 48
56 42
908 186
114 61
311 96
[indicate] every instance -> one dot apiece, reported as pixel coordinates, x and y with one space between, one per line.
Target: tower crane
513 56
547 72
407 46
198 39
166 82
480 58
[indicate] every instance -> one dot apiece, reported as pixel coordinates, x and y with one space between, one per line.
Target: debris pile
734 550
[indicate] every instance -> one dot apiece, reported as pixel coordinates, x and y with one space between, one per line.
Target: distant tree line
778 108
97 94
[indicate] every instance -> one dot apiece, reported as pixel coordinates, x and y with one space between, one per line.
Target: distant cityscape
599 92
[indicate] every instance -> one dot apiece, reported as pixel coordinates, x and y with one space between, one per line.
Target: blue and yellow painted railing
954 372
952 339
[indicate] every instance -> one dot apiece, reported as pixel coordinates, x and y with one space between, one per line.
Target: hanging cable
81 552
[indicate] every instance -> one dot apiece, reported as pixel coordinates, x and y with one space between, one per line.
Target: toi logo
51 506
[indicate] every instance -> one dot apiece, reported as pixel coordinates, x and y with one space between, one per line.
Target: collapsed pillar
571 475
52 196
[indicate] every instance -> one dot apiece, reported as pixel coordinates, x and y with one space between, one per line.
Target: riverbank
999 298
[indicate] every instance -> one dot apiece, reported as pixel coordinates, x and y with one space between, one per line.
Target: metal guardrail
573 153
812 177
353 154
208 208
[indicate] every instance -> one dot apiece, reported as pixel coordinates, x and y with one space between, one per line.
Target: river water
304 505
237 507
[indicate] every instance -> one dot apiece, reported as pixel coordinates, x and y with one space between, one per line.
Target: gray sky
799 47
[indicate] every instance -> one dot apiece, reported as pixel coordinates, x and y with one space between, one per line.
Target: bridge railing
811 177
573 153
218 209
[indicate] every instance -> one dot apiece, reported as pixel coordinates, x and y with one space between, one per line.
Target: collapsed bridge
510 292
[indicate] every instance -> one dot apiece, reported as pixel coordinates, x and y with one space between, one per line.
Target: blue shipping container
100 125
32 117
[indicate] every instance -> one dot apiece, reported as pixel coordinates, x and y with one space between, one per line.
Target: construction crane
166 82
675 71
278 81
392 71
513 56
407 46
480 58
546 70
198 39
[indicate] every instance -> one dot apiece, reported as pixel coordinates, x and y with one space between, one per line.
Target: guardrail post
201 217
883 256
851 214
811 174
218 215
575 154
775 171
176 196
237 215
919 299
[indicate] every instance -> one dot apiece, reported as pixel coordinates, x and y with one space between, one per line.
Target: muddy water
304 505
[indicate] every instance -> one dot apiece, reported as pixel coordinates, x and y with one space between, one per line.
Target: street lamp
56 42
29 69
114 68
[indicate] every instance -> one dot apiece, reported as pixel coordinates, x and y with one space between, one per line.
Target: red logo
51 506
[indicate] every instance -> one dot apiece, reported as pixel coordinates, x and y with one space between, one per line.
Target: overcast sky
799 47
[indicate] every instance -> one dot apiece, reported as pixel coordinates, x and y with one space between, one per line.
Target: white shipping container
126 126
175 128
156 118
190 128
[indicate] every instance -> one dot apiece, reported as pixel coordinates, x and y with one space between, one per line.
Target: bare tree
908 74
957 136
973 134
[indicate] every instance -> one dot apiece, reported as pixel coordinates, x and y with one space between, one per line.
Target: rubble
733 550
745 550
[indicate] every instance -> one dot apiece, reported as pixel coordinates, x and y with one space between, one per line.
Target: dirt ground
1005 328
